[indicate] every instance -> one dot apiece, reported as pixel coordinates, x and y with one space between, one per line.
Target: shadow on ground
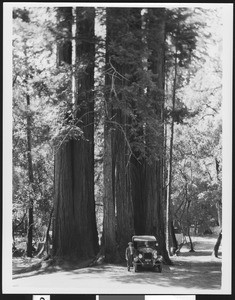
190 270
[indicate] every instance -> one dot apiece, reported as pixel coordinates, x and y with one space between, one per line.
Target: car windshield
142 244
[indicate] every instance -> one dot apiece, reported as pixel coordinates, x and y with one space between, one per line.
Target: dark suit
129 256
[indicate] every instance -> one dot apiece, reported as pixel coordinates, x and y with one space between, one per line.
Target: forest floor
191 273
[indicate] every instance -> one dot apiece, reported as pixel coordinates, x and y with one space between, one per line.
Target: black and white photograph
117 148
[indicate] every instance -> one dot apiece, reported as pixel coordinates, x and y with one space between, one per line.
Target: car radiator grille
147 255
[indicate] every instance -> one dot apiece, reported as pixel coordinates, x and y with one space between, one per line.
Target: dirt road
191 273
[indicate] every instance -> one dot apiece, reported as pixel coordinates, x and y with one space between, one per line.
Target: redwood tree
116 136
124 37
109 245
155 131
75 232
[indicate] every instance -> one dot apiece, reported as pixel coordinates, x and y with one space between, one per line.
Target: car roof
144 238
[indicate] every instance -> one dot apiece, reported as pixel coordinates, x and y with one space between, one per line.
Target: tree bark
75 225
123 196
154 169
218 202
75 232
109 222
137 162
109 240
169 234
188 222
173 237
64 46
121 152
29 250
45 245
217 245
138 193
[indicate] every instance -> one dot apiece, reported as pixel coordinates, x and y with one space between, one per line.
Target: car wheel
159 268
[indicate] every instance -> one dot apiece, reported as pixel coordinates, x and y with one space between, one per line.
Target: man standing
129 255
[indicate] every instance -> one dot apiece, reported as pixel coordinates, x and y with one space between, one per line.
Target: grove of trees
116 127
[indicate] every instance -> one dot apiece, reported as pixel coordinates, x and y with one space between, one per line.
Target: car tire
159 268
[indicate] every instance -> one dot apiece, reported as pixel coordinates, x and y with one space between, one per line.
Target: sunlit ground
191 272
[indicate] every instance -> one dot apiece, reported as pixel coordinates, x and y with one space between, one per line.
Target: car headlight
136 259
140 255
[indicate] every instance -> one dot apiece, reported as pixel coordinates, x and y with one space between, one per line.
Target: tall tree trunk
85 109
137 161
125 220
109 222
154 169
109 241
29 250
169 234
138 193
116 31
31 181
75 231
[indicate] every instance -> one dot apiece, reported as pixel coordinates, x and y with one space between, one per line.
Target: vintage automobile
146 255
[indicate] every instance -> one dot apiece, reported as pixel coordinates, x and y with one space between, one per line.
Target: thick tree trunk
85 51
75 231
138 195
125 220
109 246
137 163
75 228
153 200
154 169
154 208
116 32
109 240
